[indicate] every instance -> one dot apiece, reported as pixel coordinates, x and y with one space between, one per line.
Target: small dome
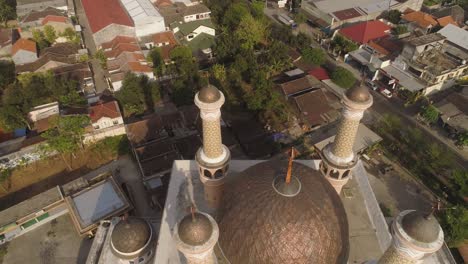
209 94
262 221
195 230
423 228
130 235
359 94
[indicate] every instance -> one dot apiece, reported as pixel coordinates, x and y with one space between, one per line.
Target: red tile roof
424 20
443 21
52 18
101 13
120 48
165 37
135 66
319 73
24 44
109 109
118 40
295 86
365 31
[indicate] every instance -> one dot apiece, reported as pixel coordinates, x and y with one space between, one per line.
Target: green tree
235 14
430 114
7 12
39 38
314 56
184 63
302 41
400 29
460 177
250 32
66 136
138 94
393 16
155 57
454 222
300 18
219 72
462 139
49 34
7 73
101 57
343 78
12 117
71 35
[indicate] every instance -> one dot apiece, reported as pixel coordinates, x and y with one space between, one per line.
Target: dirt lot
37 177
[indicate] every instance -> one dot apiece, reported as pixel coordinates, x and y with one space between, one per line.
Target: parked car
372 85
386 93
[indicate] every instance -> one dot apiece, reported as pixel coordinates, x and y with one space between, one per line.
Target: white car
386 93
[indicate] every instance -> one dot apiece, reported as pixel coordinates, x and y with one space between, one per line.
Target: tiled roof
365 31
120 48
424 20
102 13
443 21
37 15
52 18
319 73
145 130
162 3
135 66
386 46
295 86
109 109
24 44
314 107
165 37
118 40
8 36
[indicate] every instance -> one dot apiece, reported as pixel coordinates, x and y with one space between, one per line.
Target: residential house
165 41
456 13
34 18
42 116
8 37
419 20
198 35
106 121
24 51
364 32
52 57
58 22
23 7
332 14
107 25
78 72
453 111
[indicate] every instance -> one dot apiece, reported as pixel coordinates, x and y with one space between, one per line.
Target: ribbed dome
195 230
359 94
260 225
209 94
130 235
421 227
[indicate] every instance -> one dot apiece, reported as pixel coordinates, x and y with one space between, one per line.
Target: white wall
149 26
43 111
201 16
199 30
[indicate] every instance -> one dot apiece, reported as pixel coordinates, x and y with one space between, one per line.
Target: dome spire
292 154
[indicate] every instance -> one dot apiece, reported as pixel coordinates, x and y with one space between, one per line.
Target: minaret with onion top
338 158
416 236
213 157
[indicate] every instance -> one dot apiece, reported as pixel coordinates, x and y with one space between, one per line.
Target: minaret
415 236
195 236
213 157
338 157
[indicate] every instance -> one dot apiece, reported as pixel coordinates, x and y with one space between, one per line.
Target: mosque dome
263 221
129 237
195 230
423 228
358 93
209 94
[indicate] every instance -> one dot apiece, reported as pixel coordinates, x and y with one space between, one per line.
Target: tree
138 94
394 16
430 114
39 38
343 78
49 34
66 135
454 222
99 55
462 139
184 63
219 72
71 35
314 56
302 41
6 12
155 57
343 45
400 29
250 32
7 73
11 118
460 177
300 18
235 14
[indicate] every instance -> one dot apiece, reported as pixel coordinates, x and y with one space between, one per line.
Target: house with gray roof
23 7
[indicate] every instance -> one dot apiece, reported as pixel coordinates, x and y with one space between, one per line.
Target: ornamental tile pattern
260 226
212 145
345 137
391 256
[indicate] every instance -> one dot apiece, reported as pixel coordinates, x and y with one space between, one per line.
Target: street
98 73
